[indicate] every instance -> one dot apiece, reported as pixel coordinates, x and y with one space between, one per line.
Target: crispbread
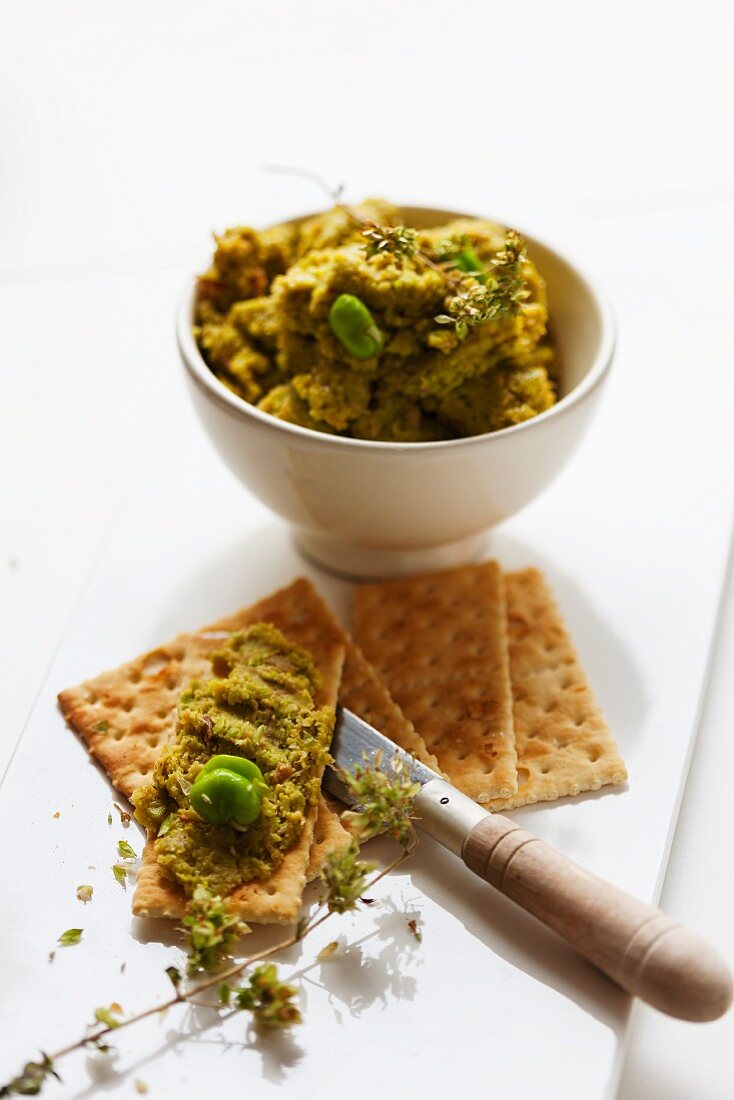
439 642
365 695
563 743
329 836
274 900
128 715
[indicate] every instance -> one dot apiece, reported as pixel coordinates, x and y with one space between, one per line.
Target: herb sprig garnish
344 876
271 1001
30 1080
213 929
473 297
494 292
397 240
385 801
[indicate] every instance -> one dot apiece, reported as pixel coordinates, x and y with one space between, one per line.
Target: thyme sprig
472 298
31 1078
385 801
395 240
212 929
271 1001
344 876
495 292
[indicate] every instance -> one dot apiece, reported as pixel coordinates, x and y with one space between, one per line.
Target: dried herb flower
393 240
84 893
125 817
345 876
496 292
30 1081
175 976
271 1001
414 929
211 929
385 800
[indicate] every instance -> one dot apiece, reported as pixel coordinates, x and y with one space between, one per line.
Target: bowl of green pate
393 381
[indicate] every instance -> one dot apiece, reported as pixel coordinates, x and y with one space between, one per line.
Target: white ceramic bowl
379 509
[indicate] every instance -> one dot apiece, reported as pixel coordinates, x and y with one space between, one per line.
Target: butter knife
640 948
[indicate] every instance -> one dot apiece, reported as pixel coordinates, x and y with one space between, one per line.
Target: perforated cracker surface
564 746
439 642
365 695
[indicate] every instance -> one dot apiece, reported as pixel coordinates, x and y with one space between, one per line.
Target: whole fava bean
467 260
354 327
222 797
240 765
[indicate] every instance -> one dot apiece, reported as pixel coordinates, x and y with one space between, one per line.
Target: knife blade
640 948
442 811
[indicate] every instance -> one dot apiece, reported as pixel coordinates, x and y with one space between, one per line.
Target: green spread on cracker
260 705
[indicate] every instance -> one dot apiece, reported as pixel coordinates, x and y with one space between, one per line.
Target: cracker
439 642
274 900
329 837
365 695
564 746
127 716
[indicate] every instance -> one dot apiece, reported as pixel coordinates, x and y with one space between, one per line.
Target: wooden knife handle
647 953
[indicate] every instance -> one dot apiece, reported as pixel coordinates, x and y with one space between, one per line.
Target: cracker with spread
131 717
486 687
130 720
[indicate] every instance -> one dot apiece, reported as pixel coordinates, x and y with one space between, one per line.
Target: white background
128 131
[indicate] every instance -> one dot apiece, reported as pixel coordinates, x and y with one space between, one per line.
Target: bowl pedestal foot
362 562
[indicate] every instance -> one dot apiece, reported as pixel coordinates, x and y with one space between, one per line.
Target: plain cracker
364 693
563 743
439 642
329 838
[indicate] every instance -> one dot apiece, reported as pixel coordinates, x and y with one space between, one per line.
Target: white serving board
634 537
